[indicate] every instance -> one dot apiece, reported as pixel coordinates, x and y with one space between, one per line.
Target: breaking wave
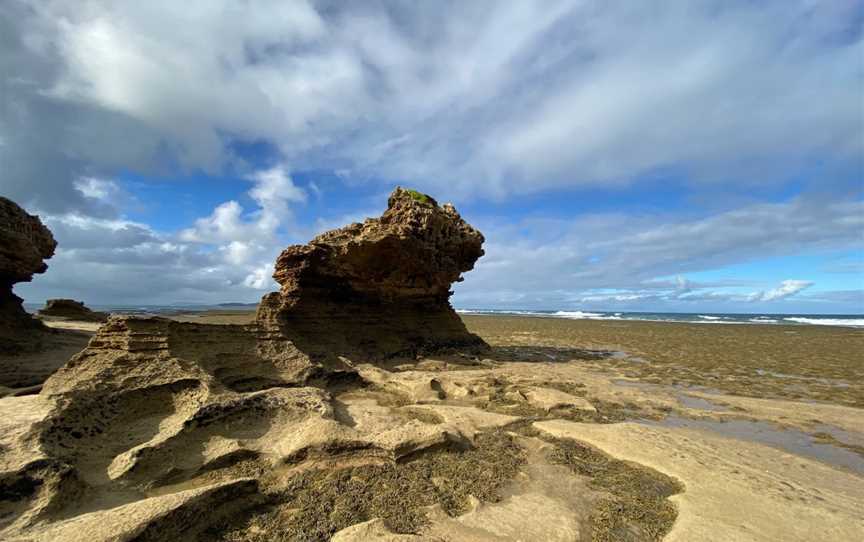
848 322
855 321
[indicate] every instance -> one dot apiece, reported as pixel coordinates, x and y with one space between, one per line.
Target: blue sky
651 156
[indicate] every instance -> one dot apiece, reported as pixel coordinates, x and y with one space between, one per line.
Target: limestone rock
25 244
380 288
71 310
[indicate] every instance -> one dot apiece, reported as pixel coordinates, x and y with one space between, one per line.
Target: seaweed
419 197
635 505
315 504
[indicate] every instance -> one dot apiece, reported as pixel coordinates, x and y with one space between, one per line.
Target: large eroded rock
155 407
25 244
378 288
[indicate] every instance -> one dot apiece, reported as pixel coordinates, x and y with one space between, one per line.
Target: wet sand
818 363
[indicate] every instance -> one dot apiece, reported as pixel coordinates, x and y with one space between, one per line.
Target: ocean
846 320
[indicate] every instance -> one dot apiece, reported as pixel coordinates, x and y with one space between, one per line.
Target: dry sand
715 432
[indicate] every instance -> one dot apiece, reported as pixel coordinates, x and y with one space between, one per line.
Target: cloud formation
786 289
226 255
580 260
475 101
490 98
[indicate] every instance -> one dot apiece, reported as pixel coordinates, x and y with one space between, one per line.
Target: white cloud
223 224
464 98
472 97
100 189
786 289
548 260
250 241
260 278
226 255
237 252
273 191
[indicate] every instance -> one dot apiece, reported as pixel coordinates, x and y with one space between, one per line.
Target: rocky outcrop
154 403
378 288
25 244
70 309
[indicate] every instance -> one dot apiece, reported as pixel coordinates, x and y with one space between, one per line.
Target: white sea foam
700 318
500 312
848 322
577 314
731 322
581 315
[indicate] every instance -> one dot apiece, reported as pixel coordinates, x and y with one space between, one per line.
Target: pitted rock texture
25 244
159 419
378 288
71 310
155 412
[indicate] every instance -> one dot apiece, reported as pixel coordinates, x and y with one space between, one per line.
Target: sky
686 156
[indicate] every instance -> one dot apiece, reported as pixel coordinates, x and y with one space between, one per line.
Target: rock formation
70 309
153 402
25 244
380 288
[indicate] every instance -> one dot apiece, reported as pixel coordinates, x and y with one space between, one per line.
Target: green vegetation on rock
419 197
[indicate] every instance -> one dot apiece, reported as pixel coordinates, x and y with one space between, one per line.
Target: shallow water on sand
790 440
699 403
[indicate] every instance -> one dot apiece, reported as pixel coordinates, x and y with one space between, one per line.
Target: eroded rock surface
71 310
155 412
25 244
378 288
